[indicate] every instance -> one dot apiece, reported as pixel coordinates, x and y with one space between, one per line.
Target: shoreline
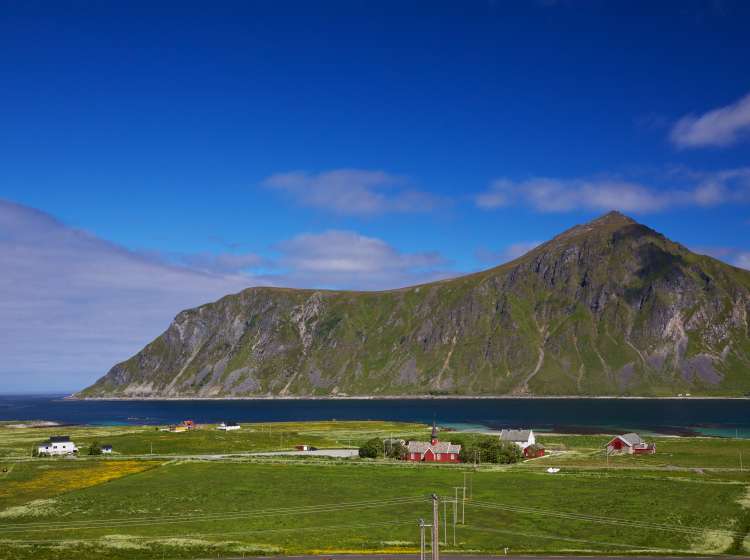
399 398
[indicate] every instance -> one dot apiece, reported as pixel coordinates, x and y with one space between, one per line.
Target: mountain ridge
610 307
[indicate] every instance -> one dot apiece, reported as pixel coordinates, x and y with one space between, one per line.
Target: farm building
228 426
533 451
434 451
106 449
631 444
189 424
522 438
57 445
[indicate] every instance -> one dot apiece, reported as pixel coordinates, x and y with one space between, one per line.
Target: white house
522 438
106 449
57 445
228 426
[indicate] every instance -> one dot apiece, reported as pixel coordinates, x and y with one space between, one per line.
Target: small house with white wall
522 438
106 449
228 426
57 445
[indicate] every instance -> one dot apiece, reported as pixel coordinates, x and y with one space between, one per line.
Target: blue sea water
730 418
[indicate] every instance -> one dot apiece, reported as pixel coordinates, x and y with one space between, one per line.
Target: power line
238 512
553 537
221 516
224 533
601 519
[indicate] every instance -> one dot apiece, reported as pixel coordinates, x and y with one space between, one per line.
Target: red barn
533 451
632 444
434 451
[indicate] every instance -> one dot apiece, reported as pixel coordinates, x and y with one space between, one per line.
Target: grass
186 508
39 480
189 508
142 440
687 452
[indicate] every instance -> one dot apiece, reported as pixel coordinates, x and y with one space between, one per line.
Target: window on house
438 456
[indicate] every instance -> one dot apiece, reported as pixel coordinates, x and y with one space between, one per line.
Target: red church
434 451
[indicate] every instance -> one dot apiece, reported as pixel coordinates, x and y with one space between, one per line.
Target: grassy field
143 440
688 452
192 508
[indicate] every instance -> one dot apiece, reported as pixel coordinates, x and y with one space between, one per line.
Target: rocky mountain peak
610 307
613 218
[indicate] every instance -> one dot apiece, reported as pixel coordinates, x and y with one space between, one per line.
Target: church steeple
434 437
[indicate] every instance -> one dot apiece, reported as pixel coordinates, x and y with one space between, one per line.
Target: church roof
440 447
515 435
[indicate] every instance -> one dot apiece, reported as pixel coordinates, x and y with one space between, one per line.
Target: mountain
607 308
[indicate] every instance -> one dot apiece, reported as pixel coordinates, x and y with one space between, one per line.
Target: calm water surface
689 416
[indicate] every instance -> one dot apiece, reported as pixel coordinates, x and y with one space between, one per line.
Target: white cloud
72 305
719 127
565 195
509 253
352 192
731 255
742 260
347 259
223 263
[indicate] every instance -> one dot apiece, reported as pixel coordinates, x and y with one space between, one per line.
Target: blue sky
156 155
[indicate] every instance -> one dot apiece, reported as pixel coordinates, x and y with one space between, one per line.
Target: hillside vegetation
606 308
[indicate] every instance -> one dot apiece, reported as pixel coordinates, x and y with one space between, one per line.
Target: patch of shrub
371 449
490 449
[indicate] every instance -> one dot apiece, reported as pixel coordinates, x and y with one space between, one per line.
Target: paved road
336 453
317 453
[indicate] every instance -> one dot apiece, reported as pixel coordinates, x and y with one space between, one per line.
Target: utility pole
445 522
435 528
463 507
455 518
463 501
741 460
421 538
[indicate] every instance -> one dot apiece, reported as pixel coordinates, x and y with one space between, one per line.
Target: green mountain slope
606 308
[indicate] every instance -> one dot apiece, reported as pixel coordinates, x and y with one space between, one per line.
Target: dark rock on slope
606 308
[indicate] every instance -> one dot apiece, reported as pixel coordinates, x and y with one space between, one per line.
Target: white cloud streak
509 253
72 304
565 195
719 127
730 255
742 260
347 259
352 192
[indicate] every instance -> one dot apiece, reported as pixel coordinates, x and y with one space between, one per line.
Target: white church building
522 438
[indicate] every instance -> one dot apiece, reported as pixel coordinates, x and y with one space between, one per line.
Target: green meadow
671 452
145 440
693 501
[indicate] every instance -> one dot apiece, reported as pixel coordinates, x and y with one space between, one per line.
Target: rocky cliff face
606 308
